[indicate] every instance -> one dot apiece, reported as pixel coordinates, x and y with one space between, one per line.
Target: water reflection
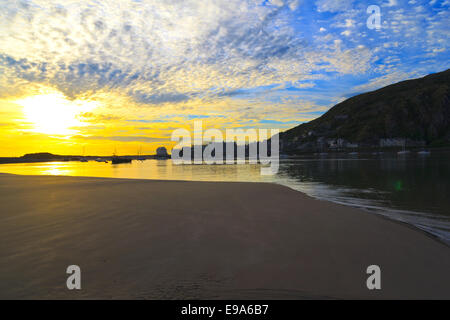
54 169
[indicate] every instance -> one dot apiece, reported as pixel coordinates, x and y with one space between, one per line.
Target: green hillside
415 112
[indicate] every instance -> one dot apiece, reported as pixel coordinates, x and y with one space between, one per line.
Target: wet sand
144 239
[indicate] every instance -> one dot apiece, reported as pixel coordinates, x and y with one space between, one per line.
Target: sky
115 75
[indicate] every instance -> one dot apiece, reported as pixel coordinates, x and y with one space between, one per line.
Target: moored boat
117 160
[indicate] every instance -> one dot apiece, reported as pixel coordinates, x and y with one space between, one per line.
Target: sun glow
53 113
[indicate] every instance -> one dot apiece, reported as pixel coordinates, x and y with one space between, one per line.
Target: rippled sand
143 239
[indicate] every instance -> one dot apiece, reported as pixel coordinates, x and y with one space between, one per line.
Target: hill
412 113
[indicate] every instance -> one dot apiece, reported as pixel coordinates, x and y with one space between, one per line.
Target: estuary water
411 188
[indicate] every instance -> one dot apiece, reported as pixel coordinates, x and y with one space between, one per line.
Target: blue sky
270 62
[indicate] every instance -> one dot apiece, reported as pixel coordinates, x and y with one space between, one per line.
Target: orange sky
45 120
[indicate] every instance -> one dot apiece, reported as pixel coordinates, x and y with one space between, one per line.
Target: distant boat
83 159
101 160
423 153
404 151
117 160
140 157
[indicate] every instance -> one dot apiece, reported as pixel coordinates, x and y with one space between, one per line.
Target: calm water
412 188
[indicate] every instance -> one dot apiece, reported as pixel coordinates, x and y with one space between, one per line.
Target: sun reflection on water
56 172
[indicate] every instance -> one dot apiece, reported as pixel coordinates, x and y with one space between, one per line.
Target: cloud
125 138
390 3
157 52
333 5
98 118
385 80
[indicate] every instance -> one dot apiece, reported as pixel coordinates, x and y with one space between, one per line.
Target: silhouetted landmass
42 156
48 157
409 113
38 157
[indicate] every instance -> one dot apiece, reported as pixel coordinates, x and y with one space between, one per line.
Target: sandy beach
144 239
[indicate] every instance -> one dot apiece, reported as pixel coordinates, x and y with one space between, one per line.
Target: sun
53 113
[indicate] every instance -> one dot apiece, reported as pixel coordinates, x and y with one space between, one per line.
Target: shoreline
204 240
313 153
378 212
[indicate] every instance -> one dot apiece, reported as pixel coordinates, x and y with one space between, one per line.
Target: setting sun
53 113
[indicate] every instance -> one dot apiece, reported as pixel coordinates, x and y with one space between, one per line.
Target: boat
423 153
117 160
101 160
83 159
404 151
140 157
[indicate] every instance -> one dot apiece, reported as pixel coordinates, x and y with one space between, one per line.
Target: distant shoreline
54 157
